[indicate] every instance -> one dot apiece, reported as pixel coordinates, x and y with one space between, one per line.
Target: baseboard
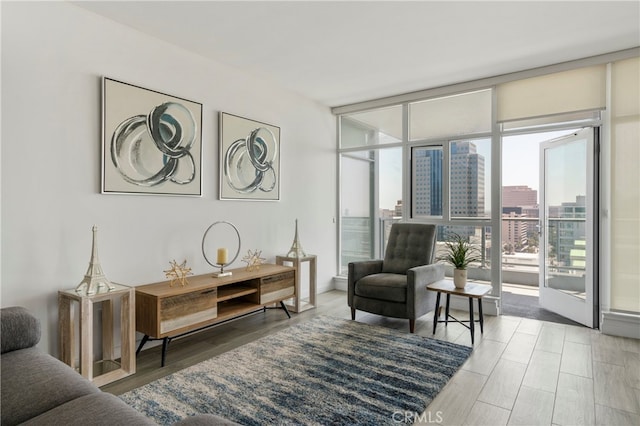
326 287
340 283
619 324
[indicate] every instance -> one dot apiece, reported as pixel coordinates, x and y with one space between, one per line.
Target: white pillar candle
222 256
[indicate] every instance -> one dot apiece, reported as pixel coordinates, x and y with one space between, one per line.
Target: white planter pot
460 278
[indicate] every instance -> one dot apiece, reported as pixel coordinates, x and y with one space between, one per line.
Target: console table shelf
234 309
232 293
164 312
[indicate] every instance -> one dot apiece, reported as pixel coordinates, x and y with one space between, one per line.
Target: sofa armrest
19 329
358 270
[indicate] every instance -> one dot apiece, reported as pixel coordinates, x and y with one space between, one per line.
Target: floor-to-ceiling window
370 181
434 169
445 139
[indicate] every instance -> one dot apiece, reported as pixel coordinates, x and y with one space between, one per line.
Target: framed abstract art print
249 159
151 142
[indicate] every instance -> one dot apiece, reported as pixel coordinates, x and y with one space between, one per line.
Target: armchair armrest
18 329
358 270
418 297
425 274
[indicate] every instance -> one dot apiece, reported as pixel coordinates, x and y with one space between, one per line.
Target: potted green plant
459 252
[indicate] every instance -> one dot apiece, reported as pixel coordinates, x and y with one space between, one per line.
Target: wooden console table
164 312
107 369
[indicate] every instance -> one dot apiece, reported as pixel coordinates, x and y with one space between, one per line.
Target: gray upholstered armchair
397 286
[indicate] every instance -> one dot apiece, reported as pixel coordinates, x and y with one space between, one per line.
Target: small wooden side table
107 369
471 290
299 304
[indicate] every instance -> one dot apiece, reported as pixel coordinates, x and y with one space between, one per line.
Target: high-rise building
514 232
519 196
526 199
397 211
568 232
466 183
428 182
466 180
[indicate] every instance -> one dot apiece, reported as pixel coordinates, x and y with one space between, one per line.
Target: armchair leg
412 326
353 313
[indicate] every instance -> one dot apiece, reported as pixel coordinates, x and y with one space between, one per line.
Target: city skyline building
428 181
518 201
466 180
514 232
519 196
568 234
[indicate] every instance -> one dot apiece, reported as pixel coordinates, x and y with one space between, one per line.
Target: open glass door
567 226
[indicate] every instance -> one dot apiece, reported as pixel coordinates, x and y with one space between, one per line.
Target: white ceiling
343 52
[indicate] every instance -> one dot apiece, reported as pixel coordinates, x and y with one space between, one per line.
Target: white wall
53 57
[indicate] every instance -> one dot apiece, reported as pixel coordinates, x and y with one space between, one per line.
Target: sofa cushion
96 409
34 382
390 287
19 329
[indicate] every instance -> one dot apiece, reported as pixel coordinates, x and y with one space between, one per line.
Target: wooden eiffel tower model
296 248
94 279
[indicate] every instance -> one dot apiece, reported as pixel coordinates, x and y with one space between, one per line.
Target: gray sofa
37 389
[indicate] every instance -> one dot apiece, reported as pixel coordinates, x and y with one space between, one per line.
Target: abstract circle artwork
249 159
152 140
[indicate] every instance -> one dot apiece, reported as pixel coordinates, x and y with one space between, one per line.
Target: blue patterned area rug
326 371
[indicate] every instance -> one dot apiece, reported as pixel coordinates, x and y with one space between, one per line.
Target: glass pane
426 181
375 127
390 182
356 220
470 179
465 114
390 192
371 200
565 227
480 239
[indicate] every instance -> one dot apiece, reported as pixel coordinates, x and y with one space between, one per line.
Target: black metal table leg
471 320
481 316
165 343
144 340
286 311
435 314
446 311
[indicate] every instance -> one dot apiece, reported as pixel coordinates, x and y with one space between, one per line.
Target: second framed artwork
249 159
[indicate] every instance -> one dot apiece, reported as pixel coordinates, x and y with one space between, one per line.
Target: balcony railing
518 267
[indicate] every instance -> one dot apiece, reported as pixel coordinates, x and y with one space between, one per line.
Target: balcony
565 269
